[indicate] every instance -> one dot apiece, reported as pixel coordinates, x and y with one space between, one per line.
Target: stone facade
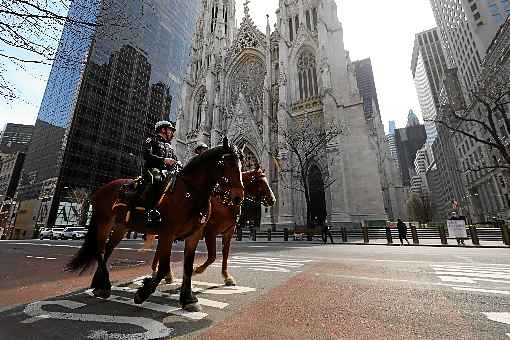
248 86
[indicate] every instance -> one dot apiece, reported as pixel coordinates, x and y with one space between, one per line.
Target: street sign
457 228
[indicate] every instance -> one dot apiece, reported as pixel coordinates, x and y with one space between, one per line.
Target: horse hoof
192 307
101 293
154 273
229 281
169 279
197 271
139 299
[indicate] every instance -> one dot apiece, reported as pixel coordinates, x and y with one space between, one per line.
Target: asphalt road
285 291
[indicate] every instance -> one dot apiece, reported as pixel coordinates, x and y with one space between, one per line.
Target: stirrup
152 218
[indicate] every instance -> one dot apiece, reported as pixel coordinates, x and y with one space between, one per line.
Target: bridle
260 198
223 190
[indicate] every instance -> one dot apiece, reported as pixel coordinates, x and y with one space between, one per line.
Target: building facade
422 161
427 66
249 85
409 140
15 138
468 29
95 116
366 85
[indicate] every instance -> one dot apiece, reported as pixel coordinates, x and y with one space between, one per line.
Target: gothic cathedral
246 85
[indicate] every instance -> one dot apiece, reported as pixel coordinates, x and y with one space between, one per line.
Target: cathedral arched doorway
251 212
318 211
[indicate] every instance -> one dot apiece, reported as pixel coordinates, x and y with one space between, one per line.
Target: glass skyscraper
98 109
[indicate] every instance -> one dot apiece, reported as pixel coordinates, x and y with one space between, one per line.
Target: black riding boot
152 215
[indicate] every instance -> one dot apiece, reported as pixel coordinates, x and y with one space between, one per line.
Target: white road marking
201 301
211 288
265 264
153 329
480 290
40 257
499 317
79 246
476 277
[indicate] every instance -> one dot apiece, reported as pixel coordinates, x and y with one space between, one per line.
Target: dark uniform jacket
156 149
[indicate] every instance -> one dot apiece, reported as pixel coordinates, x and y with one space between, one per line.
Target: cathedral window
296 23
198 115
225 18
314 17
307 76
291 31
308 22
199 108
214 18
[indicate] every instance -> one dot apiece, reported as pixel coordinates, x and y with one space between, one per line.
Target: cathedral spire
246 8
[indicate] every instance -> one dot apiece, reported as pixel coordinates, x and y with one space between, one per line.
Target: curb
372 244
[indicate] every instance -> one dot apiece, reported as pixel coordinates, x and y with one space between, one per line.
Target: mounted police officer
201 147
160 159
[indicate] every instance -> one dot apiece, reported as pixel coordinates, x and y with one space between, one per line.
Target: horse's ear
225 142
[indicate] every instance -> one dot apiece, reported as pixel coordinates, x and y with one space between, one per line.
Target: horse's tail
149 241
88 251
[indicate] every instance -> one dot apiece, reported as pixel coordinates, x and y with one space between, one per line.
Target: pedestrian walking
326 231
402 231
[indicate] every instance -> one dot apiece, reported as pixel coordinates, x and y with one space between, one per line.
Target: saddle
132 199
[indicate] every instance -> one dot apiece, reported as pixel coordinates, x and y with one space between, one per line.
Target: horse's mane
199 161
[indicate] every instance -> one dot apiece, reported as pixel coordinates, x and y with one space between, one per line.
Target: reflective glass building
97 112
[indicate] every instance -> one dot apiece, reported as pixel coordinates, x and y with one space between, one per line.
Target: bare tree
81 197
486 118
30 31
305 142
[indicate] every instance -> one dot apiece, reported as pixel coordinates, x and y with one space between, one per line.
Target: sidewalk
380 242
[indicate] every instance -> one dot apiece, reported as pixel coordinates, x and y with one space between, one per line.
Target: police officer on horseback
160 160
200 148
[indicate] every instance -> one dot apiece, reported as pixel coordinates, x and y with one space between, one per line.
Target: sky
380 30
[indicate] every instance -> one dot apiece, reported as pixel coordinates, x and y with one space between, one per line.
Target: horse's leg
210 241
227 237
114 240
151 283
155 261
187 300
101 281
169 278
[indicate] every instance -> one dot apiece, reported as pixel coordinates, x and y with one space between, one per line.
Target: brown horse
185 211
223 222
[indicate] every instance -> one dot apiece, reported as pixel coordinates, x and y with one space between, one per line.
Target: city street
294 290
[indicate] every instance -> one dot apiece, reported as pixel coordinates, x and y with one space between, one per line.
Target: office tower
428 65
15 137
366 85
467 28
422 161
409 140
95 116
412 119
391 127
